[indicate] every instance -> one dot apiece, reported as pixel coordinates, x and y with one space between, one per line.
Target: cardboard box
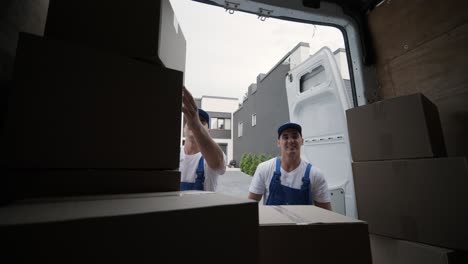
145 29
421 200
177 227
309 234
397 128
389 251
76 108
26 184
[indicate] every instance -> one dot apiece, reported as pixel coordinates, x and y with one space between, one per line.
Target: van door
317 101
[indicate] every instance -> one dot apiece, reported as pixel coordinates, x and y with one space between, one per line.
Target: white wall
298 56
214 104
229 153
224 105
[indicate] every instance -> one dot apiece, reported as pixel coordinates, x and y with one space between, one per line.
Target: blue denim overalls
199 181
284 195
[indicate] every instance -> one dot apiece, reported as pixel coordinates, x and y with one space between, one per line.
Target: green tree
242 162
247 163
253 165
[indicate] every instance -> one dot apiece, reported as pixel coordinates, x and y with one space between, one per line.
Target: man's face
290 141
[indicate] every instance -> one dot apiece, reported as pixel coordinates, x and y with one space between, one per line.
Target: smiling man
289 180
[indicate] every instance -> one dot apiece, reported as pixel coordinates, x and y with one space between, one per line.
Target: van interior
89 175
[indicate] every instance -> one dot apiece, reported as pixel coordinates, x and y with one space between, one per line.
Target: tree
246 162
253 165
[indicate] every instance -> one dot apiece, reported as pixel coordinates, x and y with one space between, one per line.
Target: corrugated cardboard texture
24 184
421 200
75 108
390 251
302 234
397 128
126 27
188 228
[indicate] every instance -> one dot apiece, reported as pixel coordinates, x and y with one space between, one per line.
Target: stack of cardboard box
95 104
406 187
91 146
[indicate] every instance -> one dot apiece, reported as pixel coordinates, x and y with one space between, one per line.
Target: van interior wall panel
18 16
421 47
399 26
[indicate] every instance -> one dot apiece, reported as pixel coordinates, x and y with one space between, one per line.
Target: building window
214 123
254 119
220 123
240 128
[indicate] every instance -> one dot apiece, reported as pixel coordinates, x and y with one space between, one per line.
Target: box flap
106 206
301 215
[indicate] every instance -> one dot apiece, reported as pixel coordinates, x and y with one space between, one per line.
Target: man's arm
254 196
210 150
323 205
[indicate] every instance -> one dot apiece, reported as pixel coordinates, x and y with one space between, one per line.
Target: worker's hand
190 110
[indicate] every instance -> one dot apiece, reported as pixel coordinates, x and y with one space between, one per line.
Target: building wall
268 100
269 103
299 55
221 107
219 104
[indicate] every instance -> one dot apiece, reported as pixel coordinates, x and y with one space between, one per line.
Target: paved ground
234 183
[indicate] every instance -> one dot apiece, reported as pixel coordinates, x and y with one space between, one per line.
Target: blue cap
289 125
205 116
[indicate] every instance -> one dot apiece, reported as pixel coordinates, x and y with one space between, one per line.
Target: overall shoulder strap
306 177
201 167
278 166
306 184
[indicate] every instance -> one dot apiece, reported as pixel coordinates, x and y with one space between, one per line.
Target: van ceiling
355 9
349 6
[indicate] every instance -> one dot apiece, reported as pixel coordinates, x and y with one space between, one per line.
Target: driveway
234 183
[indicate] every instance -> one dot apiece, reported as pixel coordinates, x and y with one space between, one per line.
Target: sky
226 52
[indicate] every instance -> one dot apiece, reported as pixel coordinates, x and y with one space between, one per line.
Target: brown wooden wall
422 46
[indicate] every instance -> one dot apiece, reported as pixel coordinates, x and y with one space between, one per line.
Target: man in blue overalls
201 159
289 180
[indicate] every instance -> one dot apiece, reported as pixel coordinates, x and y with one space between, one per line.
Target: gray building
265 107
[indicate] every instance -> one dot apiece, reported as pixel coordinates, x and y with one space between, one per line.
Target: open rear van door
317 101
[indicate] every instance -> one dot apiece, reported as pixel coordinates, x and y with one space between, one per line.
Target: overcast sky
225 52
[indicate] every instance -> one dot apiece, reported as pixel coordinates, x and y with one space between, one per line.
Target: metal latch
264 13
230 7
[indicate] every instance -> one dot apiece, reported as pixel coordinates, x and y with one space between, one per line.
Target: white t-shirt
261 180
188 170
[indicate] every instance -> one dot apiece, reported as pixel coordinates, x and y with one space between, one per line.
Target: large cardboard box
26 184
76 108
390 251
397 128
309 234
144 29
421 200
190 227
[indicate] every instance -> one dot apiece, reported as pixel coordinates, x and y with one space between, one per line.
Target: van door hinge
231 7
264 13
